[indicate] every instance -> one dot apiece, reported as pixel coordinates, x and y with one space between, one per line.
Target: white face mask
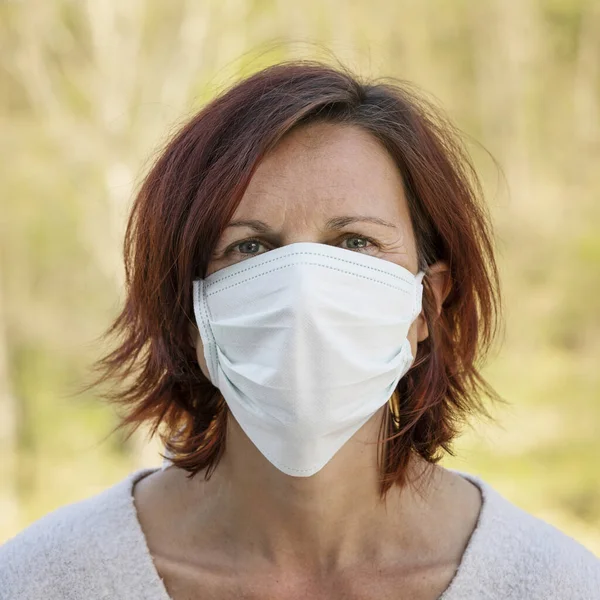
306 342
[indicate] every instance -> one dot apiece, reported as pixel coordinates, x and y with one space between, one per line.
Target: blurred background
89 91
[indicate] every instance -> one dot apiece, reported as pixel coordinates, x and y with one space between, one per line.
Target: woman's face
329 184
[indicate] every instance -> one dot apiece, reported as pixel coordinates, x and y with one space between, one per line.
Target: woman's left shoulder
515 555
531 552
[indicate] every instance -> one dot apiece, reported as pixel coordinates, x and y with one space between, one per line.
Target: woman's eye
357 242
254 247
247 247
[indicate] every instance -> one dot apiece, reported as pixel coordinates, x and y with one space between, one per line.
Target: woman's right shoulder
73 551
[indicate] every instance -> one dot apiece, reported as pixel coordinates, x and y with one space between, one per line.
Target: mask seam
206 322
417 308
312 264
418 296
215 346
314 254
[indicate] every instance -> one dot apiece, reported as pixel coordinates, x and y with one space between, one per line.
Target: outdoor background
90 89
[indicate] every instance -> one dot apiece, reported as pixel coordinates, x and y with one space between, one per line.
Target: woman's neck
332 520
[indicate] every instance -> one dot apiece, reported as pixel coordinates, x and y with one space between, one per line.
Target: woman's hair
191 193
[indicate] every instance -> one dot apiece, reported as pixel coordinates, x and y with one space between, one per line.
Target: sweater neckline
466 569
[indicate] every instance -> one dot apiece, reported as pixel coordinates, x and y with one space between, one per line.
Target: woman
310 284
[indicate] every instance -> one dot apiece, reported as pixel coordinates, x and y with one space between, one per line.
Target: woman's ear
438 275
439 282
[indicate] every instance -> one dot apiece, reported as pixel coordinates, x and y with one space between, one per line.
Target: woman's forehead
326 169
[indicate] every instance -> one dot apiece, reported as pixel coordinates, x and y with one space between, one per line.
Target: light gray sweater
95 550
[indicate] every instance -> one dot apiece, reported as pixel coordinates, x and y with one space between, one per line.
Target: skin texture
254 532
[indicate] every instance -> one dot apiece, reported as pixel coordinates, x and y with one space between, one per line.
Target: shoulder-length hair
191 193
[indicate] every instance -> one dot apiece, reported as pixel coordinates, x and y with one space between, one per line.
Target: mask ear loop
418 294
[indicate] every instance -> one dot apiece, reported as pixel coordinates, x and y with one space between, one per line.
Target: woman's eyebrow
339 222
259 226
333 223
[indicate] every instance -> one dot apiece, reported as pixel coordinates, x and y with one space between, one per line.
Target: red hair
190 195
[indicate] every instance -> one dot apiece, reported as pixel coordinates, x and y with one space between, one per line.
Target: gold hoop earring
394 405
